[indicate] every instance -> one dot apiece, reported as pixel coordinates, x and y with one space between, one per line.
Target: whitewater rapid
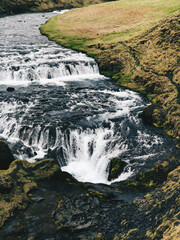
63 108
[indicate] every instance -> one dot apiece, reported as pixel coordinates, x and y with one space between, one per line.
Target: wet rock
84 226
14 228
147 115
10 89
116 168
37 199
11 226
20 149
6 157
95 202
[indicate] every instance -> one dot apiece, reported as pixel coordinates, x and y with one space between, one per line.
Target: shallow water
63 108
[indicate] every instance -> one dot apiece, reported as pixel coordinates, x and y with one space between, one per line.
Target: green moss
116 168
99 236
150 179
152 98
93 193
28 187
58 225
17 182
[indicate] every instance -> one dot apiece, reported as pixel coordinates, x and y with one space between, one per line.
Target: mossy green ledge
22 177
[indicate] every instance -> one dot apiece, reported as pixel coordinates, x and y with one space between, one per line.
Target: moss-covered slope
18 181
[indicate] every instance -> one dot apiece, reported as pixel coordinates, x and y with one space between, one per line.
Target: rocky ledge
39 201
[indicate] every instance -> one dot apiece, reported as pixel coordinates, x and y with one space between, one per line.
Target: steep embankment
21 6
133 44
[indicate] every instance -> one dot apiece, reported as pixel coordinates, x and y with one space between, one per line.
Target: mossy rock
116 168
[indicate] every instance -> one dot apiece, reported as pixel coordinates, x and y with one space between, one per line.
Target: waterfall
56 66
62 108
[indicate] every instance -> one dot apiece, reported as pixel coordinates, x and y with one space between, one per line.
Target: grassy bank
136 43
110 22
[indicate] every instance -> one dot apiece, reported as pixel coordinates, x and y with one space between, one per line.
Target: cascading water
63 108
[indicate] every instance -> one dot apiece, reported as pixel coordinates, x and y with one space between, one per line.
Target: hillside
135 43
20 6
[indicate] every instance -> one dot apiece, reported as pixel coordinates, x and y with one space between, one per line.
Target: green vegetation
91 194
152 178
108 22
18 181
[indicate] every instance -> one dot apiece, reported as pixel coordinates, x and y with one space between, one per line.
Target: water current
63 108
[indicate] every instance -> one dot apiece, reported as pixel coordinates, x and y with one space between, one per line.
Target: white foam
90 152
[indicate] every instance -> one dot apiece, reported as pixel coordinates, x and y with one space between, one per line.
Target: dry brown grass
106 19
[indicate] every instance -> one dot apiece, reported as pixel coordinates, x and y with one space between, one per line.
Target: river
63 108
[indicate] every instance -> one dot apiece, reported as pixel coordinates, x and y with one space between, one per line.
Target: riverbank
136 44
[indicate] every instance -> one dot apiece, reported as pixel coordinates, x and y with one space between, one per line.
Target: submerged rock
6 157
10 89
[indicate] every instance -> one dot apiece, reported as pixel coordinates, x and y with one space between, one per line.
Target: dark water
63 108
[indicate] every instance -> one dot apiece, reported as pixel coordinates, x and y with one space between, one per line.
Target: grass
109 22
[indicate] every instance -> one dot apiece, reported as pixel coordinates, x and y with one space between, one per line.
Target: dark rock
116 168
14 228
147 115
10 89
95 202
11 226
6 157
20 149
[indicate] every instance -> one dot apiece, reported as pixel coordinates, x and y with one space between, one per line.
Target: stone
6 157
147 115
116 168
37 199
10 89
84 226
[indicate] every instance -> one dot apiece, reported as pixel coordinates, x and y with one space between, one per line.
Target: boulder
10 89
147 115
116 168
6 157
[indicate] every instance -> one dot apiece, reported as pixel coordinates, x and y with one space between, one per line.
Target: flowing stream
63 108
